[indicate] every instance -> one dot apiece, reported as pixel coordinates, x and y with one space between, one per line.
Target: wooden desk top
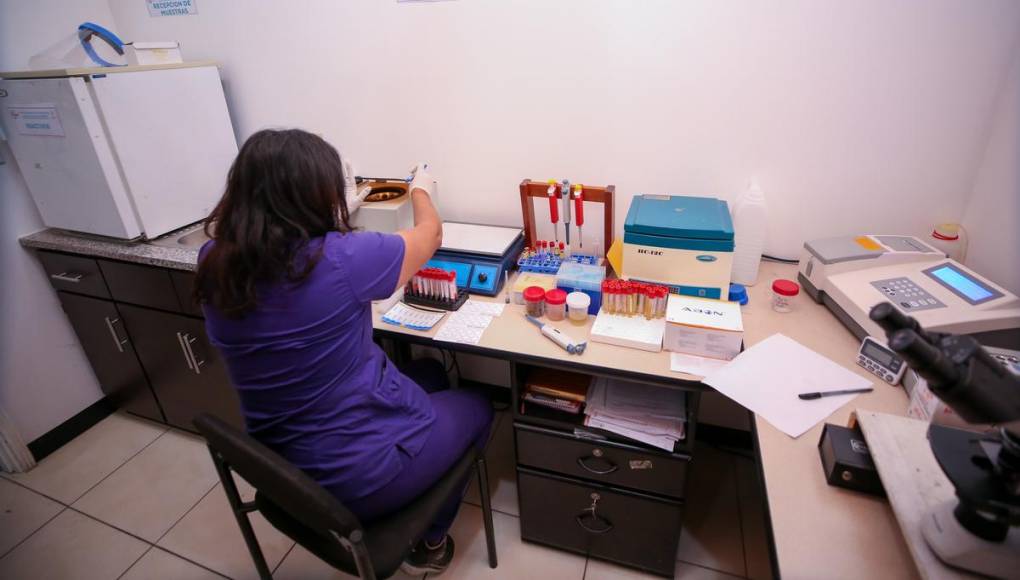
818 530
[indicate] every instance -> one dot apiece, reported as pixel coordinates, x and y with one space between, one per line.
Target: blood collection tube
563 248
453 285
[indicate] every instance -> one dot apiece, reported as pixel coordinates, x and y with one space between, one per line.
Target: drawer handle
188 341
67 277
589 514
117 341
184 349
612 466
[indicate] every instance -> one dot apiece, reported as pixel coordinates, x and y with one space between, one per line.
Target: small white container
153 53
577 307
783 294
951 239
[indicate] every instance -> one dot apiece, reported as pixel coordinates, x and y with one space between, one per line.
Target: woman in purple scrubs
286 286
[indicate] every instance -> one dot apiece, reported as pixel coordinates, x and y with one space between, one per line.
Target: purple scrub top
313 385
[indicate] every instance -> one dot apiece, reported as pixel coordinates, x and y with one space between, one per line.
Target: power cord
778 259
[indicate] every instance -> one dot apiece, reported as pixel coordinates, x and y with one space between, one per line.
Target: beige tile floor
133 500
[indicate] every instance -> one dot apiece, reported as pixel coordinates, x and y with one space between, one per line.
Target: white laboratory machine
851 274
126 152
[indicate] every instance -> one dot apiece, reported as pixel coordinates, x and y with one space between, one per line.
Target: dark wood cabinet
598 493
150 360
111 353
186 373
184 283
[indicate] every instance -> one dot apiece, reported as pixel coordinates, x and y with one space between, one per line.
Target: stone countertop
162 252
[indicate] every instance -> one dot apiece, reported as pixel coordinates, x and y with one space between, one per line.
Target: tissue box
703 327
154 53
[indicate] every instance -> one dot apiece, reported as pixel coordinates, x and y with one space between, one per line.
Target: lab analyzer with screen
851 274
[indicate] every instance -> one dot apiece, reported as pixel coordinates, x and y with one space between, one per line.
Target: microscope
980 530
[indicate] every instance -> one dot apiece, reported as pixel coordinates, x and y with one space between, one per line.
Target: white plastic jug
750 222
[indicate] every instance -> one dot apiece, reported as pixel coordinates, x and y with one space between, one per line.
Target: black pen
820 394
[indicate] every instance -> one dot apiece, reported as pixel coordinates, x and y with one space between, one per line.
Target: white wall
44 376
992 218
855 116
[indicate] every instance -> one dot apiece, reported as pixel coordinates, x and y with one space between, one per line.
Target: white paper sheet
698 366
464 326
479 307
767 378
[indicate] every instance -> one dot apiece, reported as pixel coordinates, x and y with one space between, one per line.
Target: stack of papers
467 324
558 390
413 318
655 416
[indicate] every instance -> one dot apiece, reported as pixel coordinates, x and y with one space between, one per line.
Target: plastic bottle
750 221
951 239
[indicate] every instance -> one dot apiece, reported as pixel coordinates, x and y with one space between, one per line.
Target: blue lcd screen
961 283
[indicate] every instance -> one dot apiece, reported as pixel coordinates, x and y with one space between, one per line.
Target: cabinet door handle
184 349
612 466
67 277
589 514
188 341
117 341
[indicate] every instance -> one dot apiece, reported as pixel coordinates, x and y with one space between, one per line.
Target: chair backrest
281 482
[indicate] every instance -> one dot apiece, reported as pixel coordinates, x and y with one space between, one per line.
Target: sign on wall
171 7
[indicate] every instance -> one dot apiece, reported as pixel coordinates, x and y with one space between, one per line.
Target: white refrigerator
126 152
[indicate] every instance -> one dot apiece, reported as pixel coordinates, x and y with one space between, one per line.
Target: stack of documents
558 390
655 416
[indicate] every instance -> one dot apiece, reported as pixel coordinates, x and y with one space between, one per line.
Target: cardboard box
703 327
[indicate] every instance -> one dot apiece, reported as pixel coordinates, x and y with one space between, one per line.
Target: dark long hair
284 189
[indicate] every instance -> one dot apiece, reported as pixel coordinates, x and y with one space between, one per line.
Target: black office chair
303 510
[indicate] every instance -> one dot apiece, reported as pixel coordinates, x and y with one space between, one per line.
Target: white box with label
703 327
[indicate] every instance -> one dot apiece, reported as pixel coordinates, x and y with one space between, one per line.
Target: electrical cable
778 259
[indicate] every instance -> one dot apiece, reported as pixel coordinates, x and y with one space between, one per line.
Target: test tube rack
604 195
550 264
435 288
437 303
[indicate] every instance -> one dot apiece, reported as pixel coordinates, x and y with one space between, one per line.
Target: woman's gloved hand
353 197
422 179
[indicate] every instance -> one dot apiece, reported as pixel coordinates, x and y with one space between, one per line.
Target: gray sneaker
426 559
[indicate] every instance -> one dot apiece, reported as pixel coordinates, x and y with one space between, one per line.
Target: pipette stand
592 194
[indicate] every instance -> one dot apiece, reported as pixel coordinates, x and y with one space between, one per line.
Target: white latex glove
351 194
421 179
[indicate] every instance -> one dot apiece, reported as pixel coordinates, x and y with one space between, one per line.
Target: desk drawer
74 274
606 462
141 285
624 527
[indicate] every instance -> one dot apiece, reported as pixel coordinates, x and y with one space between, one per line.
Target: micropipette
579 211
554 215
558 337
565 194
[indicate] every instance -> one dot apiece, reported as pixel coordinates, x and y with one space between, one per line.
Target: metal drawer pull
188 341
117 341
67 277
612 466
589 514
184 349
